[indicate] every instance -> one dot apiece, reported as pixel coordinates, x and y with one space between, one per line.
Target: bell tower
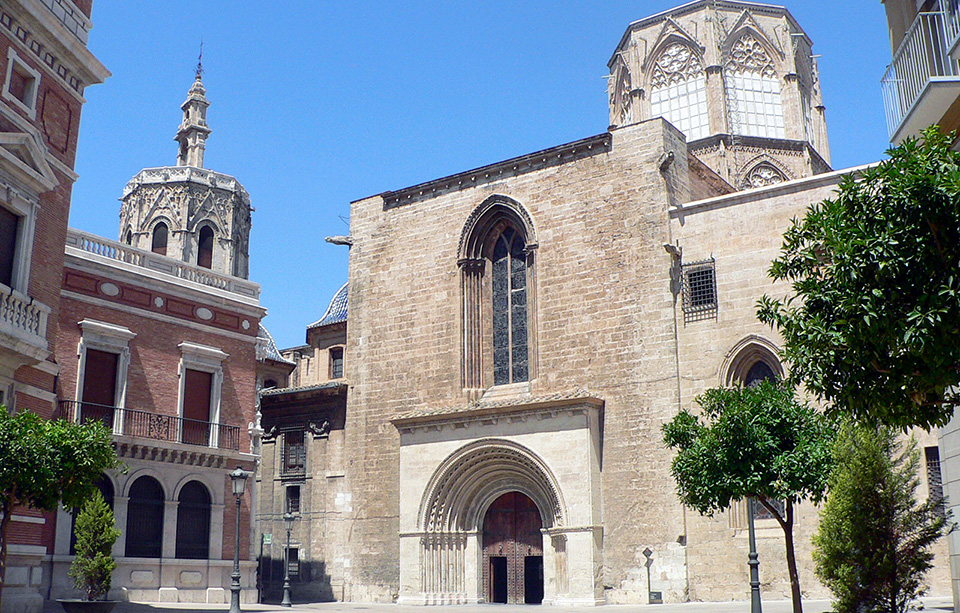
187 212
193 131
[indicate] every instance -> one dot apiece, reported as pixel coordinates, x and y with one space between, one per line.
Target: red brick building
158 338
45 68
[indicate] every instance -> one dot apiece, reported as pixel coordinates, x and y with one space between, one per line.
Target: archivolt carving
761 175
468 481
744 354
490 211
676 64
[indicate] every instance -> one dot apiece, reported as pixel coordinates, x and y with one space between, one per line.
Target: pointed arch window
159 244
497 276
510 352
678 90
754 87
205 247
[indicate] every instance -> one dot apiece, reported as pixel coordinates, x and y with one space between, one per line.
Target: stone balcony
81 243
23 329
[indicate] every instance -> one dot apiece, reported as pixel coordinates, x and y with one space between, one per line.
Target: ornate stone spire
193 131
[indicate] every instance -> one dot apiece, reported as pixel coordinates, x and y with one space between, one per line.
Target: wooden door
511 535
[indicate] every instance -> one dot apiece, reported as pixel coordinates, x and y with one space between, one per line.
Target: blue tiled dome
270 350
336 312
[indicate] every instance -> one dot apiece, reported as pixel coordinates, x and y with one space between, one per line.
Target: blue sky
318 103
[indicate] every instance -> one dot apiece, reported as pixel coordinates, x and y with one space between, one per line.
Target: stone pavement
932 605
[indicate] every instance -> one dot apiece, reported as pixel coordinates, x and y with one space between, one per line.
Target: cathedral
517 334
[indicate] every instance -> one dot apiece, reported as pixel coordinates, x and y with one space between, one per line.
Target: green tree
873 544
758 442
96 532
873 323
46 462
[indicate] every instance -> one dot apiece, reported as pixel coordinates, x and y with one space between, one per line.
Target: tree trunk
786 523
6 507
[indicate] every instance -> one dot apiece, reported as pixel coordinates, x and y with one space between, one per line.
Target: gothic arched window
761 175
678 91
193 522
205 247
496 260
159 244
128 237
510 355
754 87
145 519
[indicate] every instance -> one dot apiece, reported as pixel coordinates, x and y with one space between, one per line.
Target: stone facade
739 81
45 67
302 465
526 328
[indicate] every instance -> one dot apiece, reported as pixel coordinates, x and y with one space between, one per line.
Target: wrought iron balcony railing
922 58
156 426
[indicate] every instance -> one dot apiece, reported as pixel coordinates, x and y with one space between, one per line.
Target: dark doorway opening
498 579
533 579
513 551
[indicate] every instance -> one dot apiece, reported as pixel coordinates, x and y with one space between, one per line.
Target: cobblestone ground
932 605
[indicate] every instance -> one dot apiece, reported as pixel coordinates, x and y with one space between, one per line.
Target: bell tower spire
193 131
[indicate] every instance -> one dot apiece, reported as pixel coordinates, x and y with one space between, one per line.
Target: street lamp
239 480
753 562
288 519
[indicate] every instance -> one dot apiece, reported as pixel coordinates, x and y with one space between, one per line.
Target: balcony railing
23 318
922 57
156 426
113 250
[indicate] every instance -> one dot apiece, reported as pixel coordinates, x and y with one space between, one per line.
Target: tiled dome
337 311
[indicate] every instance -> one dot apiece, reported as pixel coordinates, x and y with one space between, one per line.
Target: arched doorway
513 551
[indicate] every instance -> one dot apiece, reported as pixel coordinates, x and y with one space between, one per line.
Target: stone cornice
545 158
164 175
516 409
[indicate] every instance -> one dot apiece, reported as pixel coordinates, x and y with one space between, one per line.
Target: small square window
293 499
21 84
336 362
699 290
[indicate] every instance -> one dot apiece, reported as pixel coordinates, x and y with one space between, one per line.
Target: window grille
934 478
699 291
336 362
293 499
293 562
294 454
761 512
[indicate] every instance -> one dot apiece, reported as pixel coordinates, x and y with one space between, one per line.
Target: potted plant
93 565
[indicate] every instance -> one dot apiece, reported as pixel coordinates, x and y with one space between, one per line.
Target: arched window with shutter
193 522
144 533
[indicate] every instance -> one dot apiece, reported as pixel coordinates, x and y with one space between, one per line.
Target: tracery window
678 91
761 175
510 355
750 77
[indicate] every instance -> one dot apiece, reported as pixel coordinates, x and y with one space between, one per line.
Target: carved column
471 279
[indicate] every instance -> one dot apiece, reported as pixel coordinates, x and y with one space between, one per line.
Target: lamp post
239 480
753 562
288 519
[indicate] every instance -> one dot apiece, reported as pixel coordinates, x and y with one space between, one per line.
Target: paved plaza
773 606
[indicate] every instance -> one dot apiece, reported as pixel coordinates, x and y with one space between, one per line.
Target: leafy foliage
46 462
873 323
757 442
873 544
96 532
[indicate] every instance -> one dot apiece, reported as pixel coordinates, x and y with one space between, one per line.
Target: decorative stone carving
676 64
761 175
620 90
748 55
